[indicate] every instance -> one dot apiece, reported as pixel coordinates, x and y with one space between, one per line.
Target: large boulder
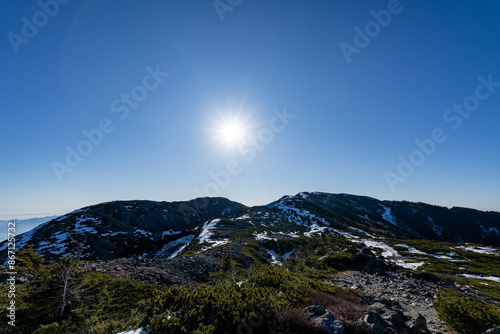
418 325
323 318
367 260
376 324
394 317
386 316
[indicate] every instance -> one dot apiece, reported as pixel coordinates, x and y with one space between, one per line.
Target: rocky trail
396 301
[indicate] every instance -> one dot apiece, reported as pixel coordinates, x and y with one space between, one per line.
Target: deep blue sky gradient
353 120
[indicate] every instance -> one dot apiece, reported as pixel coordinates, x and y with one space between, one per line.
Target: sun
231 131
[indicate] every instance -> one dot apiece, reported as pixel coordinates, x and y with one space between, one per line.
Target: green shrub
295 286
103 305
211 309
465 314
282 246
228 307
253 254
51 328
337 260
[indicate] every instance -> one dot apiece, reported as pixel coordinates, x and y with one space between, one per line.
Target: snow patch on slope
387 251
137 331
346 235
480 249
173 248
488 231
438 229
409 265
85 228
206 234
169 232
391 254
142 232
387 216
274 256
207 231
413 250
263 236
287 255
363 232
267 236
489 278
315 228
303 217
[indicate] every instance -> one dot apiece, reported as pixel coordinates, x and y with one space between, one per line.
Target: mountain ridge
23 225
161 229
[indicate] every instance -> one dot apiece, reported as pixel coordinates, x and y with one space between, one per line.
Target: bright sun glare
231 132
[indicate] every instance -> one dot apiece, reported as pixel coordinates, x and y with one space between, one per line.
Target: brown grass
344 304
295 321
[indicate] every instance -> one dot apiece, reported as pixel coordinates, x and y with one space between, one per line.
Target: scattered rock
394 317
399 303
315 311
376 324
191 270
418 325
427 276
322 317
493 331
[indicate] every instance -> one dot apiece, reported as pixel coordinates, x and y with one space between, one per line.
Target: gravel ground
415 295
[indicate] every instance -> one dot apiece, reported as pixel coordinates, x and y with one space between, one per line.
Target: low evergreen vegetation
257 298
465 314
60 297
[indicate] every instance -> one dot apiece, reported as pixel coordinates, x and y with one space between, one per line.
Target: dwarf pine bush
465 314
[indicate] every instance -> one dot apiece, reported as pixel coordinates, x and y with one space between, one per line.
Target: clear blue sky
353 119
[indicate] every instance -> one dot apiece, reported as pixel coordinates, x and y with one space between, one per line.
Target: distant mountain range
22 225
166 229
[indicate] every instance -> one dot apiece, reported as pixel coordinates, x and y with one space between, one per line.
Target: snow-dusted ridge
301 216
134 228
